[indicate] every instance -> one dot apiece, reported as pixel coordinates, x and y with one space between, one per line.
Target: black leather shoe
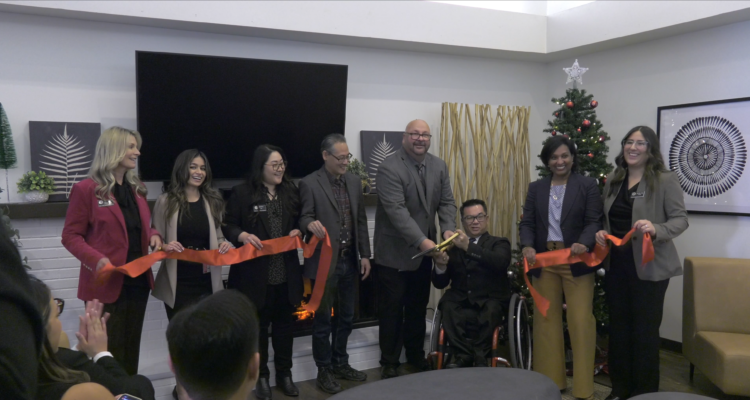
325 381
407 369
348 373
388 371
460 362
287 386
263 389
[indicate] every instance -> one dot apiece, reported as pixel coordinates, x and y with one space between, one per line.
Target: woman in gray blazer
190 215
642 194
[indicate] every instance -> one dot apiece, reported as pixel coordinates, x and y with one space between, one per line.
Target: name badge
636 195
261 208
106 203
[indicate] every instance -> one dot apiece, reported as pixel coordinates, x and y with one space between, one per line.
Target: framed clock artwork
706 145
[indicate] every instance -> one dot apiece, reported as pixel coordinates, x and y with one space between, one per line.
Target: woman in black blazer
267 207
563 210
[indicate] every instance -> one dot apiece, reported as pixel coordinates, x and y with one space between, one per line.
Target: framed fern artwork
64 151
376 146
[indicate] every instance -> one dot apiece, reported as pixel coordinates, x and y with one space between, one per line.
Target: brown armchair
716 321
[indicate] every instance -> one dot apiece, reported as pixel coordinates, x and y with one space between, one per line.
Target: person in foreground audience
108 221
346 221
21 330
61 369
413 188
189 215
478 297
643 194
266 207
563 210
213 348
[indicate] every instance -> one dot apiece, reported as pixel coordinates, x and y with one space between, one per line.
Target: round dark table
461 383
671 396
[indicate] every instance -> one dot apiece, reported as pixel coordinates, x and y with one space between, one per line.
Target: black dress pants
459 317
402 308
279 314
125 323
188 292
635 314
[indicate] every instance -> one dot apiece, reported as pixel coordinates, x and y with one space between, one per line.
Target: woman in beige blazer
642 194
190 215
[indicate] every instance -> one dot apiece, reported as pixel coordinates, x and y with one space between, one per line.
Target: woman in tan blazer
190 214
642 194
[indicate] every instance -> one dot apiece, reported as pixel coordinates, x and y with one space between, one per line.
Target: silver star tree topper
575 73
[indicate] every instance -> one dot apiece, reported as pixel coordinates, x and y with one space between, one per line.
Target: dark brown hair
654 165
176 197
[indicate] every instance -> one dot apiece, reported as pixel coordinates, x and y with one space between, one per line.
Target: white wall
70 70
631 82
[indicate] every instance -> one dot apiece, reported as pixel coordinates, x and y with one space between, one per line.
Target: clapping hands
92 329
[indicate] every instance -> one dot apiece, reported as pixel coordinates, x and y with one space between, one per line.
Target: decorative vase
366 187
36 196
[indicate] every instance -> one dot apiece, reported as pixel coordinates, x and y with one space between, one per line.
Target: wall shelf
59 209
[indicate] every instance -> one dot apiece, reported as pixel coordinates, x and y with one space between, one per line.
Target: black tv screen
226 107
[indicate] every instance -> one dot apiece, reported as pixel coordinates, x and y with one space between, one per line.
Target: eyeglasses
60 305
278 166
343 158
470 218
638 144
418 136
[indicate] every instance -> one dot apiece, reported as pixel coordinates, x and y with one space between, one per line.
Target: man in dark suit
332 201
413 188
478 297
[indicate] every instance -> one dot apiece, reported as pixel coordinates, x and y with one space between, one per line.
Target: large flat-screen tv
227 106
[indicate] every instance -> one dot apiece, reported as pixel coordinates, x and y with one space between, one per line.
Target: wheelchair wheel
435 332
519 333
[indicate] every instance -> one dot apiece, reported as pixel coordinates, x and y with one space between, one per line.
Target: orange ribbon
233 256
593 259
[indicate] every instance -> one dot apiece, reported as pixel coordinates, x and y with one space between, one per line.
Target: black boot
263 389
326 381
287 386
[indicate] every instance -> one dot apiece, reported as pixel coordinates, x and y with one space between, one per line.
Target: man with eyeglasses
332 201
413 188
477 299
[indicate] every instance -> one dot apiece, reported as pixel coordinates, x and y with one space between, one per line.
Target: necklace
554 195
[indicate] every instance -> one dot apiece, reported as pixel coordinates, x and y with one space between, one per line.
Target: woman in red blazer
108 221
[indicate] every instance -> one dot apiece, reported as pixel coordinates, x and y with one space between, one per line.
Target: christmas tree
7 148
575 118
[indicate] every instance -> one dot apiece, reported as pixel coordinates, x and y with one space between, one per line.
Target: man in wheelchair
478 297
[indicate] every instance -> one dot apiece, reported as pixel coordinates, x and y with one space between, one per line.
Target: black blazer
251 277
580 219
106 372
482 269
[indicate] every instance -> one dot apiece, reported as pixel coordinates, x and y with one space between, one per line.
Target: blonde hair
110 150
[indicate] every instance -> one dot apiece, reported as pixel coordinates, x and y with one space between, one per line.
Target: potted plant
36 186
357 167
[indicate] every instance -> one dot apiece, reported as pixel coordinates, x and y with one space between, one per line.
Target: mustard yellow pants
549 348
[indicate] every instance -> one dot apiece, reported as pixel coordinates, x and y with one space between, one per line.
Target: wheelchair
515 330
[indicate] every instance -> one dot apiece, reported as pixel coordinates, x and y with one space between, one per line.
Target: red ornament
586 123
591 155
566 136
557 114
579 130
569 104
604 180
553 133
601 138
594 103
